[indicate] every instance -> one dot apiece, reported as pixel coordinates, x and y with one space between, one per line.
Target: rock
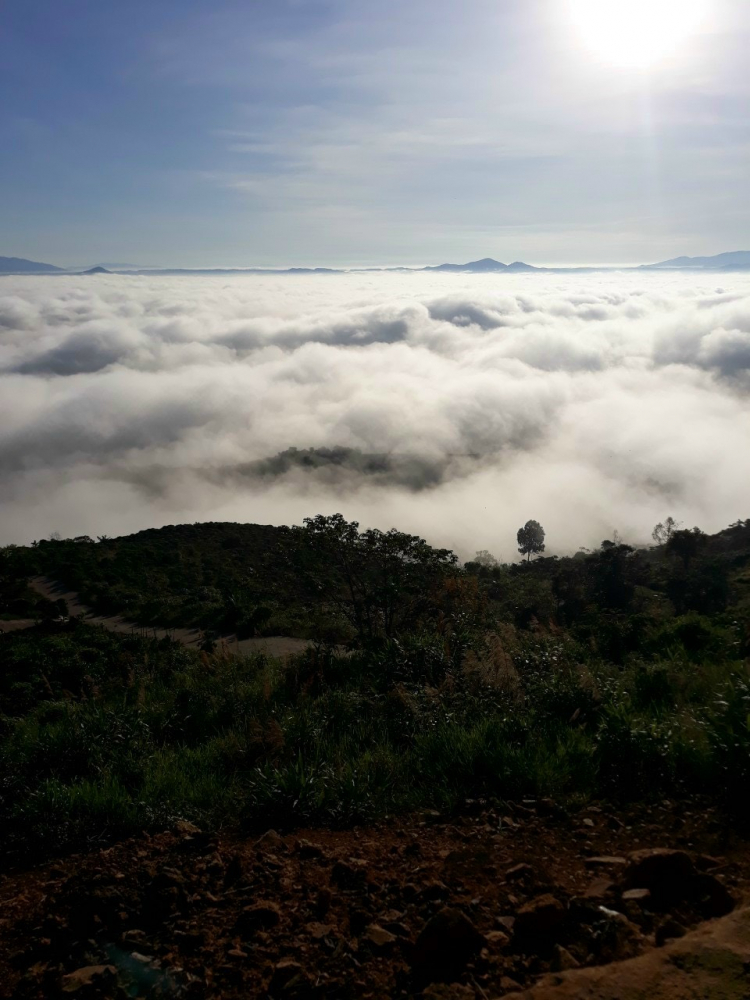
319 931
323 901
562 960
605 861
668 930
588 821
636 895
506 923
705 863
271 841
666 872
349 875
497 939
444 946
434 891
187 829
618 937
308 850
711 896
601 888
381 939
90 979
518 873
288 979
448 991
540 918
259 917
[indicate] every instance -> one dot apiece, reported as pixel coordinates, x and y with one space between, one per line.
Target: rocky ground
476 906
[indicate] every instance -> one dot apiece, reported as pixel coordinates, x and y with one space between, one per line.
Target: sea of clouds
452 406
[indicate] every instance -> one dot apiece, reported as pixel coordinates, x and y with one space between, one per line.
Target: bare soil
278 646
530 890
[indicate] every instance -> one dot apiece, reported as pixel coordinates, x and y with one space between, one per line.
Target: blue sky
344 132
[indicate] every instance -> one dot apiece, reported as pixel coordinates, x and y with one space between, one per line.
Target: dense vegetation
615 673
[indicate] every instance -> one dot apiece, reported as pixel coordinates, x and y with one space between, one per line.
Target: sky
351 133
452 406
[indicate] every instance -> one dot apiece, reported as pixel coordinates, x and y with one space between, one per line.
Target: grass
103 736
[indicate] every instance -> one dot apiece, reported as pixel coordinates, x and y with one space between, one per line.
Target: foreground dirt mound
712 962
474 907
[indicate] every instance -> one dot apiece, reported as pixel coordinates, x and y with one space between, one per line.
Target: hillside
18 265
482 767
739 259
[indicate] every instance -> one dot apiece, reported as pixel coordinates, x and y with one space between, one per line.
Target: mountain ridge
736 260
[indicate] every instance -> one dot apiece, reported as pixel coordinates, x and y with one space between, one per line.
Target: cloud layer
450 405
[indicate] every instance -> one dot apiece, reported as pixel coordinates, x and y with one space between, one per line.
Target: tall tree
530 539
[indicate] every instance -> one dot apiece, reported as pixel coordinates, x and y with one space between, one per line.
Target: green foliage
574 678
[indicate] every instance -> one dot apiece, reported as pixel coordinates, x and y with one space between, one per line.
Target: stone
520 872
89 979
288 979
323 901
667 873
506 923
497 939
444 946
541 917
187 829
348 875
601 888
605 861
271 841
319 931
562 960
379 937
711 896
259 917
668 930
434 891
448 991
636 895
308 850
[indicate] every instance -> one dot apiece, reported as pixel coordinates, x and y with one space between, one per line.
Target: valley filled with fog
452 406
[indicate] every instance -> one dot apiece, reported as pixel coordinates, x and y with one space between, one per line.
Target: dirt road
273 645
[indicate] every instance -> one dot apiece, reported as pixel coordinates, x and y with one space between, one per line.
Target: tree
686 544
664 530
485 558
530 539
380 580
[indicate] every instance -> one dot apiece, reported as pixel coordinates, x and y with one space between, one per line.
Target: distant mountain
18 265
97 270
122 267
721 262
485 264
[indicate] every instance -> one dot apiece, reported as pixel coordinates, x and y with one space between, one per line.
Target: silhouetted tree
530 539
664 530
686 544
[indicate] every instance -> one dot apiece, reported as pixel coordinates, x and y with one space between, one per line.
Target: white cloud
465 404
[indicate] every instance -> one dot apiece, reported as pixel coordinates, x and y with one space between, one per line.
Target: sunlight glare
636 33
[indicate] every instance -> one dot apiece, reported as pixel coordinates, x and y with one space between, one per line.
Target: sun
636 33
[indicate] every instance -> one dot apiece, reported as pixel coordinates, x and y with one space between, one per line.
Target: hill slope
18 265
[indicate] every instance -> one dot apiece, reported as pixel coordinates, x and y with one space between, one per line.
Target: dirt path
274 645
15 624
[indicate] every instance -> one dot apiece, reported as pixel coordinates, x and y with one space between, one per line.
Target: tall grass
144 732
